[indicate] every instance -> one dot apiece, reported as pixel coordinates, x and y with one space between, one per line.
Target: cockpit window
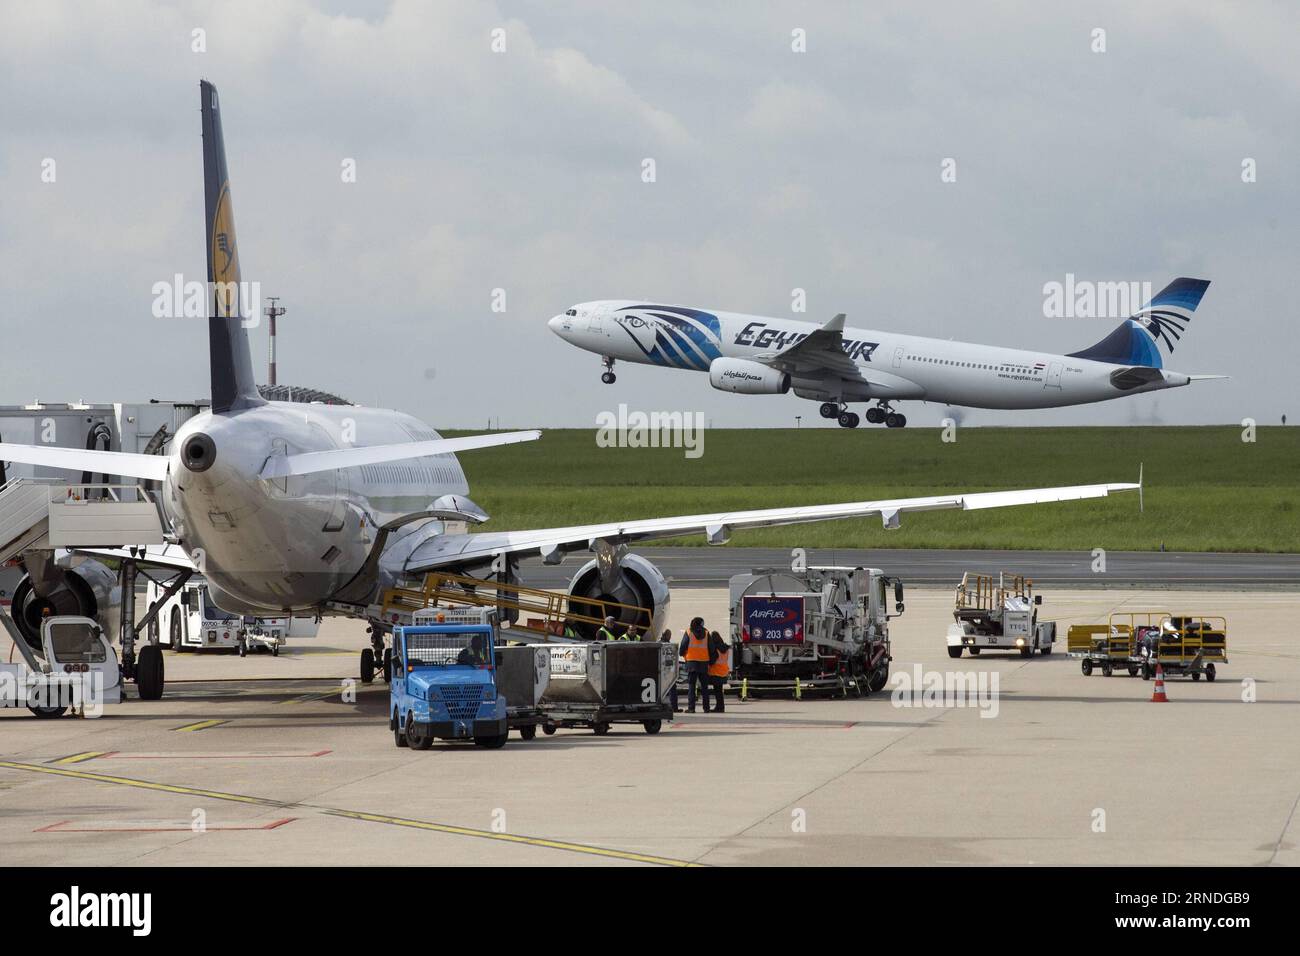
572 312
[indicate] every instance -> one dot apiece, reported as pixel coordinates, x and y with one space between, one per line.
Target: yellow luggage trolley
1104 647
1189 644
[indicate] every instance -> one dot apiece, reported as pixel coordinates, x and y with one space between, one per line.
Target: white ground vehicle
271 633
819 628
75 667
998 614
190 620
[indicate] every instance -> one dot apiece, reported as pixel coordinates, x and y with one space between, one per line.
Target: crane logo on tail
225 257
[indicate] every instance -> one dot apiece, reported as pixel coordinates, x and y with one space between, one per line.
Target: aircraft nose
556 325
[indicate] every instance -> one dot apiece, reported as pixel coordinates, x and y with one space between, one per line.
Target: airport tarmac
280 769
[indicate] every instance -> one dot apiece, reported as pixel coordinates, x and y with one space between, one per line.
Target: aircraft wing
448 550
821 351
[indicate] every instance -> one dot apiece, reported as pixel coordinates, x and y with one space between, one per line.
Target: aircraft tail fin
233 384
1161 322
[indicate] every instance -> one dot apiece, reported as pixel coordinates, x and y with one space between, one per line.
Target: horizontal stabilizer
282 466
122 463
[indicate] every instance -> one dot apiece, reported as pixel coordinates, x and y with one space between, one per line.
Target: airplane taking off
293 508
757 355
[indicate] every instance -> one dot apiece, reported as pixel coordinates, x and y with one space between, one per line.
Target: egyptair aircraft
835 365
294 508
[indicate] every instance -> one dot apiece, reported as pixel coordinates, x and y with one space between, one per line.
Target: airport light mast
273 311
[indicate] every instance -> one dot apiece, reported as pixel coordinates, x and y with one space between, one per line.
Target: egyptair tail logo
1168 314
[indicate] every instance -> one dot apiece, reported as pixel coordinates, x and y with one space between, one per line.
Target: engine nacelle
636 582
747 378
90 589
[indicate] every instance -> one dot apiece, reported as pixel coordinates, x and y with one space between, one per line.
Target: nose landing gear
608 376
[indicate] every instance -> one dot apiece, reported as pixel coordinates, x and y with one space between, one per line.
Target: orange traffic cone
1159 696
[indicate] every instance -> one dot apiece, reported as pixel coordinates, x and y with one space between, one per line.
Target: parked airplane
757 355
293 508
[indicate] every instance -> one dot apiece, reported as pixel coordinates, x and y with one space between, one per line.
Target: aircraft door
1053 376
898 357
595 322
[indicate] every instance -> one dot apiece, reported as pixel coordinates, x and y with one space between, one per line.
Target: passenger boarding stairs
38 514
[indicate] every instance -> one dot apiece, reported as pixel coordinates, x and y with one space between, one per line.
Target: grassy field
1206 490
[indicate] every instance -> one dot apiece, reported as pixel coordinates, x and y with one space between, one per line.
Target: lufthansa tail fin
1161 321
233 385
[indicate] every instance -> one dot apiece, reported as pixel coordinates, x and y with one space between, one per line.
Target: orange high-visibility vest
722 666
698 648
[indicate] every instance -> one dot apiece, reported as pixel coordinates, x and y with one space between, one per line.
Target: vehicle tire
974 652
492 743
149 677
829 410
1045 651
153 631
528 732
275 650
1195 676
609 378
902 420
367 665
1210 673
878 679
549 729
600 729
1026 652
954 652
1086 667
849 419
399 738
891 420
174 632
387 669
652 726
875 415
414 739
1146 671
1107 670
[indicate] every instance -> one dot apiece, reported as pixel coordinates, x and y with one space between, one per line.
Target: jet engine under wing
443 550
819 352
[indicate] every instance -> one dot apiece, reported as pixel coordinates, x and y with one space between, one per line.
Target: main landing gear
608 376
878 414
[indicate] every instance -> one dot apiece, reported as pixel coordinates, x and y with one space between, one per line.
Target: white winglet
282 466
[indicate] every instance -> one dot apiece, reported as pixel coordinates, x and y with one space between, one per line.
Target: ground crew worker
719 669
695 649
630 634
667 638
606 633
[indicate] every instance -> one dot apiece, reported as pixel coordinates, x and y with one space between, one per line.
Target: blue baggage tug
444 686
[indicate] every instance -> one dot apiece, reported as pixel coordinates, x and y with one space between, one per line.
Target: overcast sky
522 170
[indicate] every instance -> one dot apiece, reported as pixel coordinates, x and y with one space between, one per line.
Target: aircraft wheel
149 672
849 419
902 420
875 415
367 665
892 420
830 410
609 378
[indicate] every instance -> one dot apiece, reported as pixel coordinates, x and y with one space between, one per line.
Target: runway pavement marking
349 814
79 758
200 725
187 827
